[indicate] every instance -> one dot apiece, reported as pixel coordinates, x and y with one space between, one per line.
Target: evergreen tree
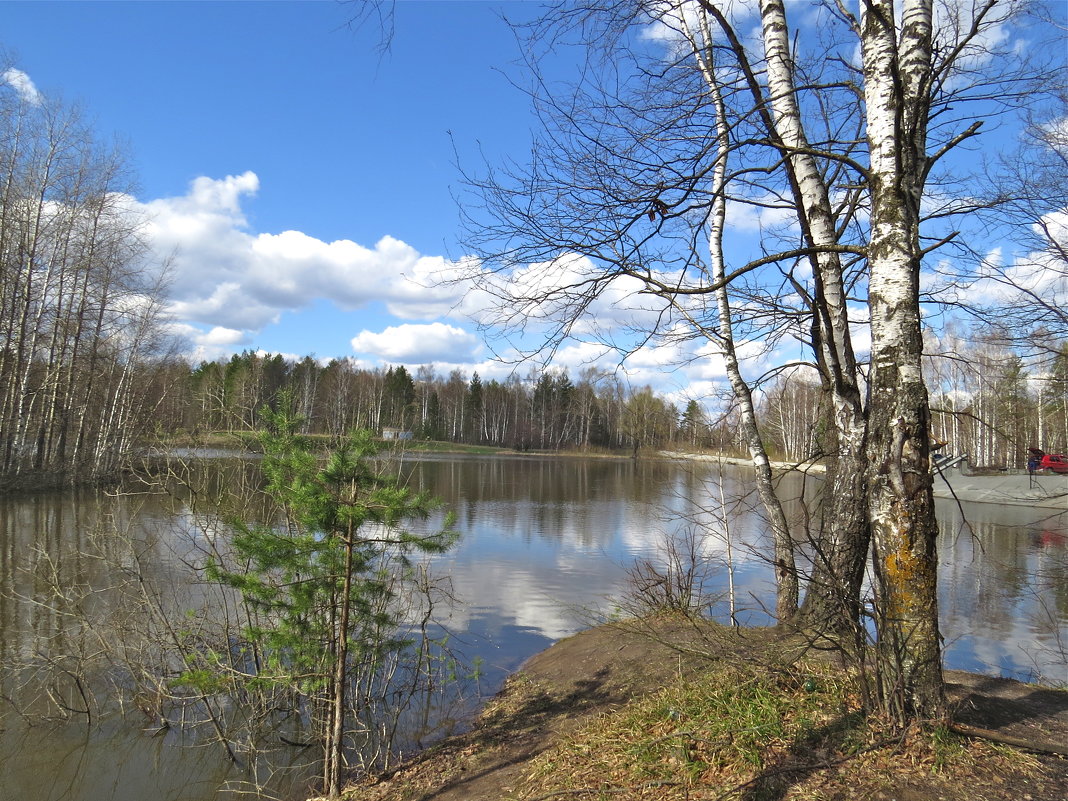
323 581
693 423
475 407
398 400
1055 405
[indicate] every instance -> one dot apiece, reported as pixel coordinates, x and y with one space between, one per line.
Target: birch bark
786 578
832 600
897 60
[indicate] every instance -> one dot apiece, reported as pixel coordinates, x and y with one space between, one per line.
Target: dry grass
673 712
759 736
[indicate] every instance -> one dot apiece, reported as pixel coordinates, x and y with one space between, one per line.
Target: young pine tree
322 578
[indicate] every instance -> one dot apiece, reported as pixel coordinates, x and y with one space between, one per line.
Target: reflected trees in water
268 622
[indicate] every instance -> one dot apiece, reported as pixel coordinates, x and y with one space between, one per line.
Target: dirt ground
599 669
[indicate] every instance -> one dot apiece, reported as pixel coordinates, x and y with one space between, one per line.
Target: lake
545 550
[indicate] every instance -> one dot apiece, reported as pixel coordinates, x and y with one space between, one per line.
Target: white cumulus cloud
228 283
224 275
418 344
221 336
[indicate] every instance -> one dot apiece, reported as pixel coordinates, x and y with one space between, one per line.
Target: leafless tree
842 128
80 306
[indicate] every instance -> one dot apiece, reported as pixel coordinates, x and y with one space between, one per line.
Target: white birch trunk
901 506
834 587
786 579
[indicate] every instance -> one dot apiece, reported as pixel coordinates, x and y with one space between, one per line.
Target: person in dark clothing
1034 459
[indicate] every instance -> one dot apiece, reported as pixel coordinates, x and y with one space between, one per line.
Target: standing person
1034 459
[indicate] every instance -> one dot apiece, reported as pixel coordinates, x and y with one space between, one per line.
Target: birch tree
898 54
842 126
80 305
787 590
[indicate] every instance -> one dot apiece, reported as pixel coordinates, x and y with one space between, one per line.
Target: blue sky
346 142
301 180
278 128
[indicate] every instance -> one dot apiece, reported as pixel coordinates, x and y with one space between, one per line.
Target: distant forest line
988 406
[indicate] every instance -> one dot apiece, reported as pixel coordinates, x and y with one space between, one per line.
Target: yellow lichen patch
902 569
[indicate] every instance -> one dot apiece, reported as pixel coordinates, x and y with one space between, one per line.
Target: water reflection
547 541
95 591
1004 589
45 575
544 550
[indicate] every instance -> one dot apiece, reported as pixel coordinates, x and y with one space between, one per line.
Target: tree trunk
834 586
901 505
335 744
786 579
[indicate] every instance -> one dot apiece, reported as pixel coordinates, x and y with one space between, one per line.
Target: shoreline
1003 488
598 672
738 461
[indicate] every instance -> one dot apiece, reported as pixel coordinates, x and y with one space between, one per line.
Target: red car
1056 462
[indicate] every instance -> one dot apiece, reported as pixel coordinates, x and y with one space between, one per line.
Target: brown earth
599 670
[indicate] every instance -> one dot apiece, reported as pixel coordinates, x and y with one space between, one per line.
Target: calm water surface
545 548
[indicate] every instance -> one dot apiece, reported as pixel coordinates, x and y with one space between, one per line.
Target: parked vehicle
1057 462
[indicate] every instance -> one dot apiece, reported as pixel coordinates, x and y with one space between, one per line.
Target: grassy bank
734 731
623 713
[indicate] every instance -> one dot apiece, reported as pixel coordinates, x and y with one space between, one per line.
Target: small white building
396 433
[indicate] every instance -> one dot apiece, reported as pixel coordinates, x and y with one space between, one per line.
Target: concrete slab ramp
1041 490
